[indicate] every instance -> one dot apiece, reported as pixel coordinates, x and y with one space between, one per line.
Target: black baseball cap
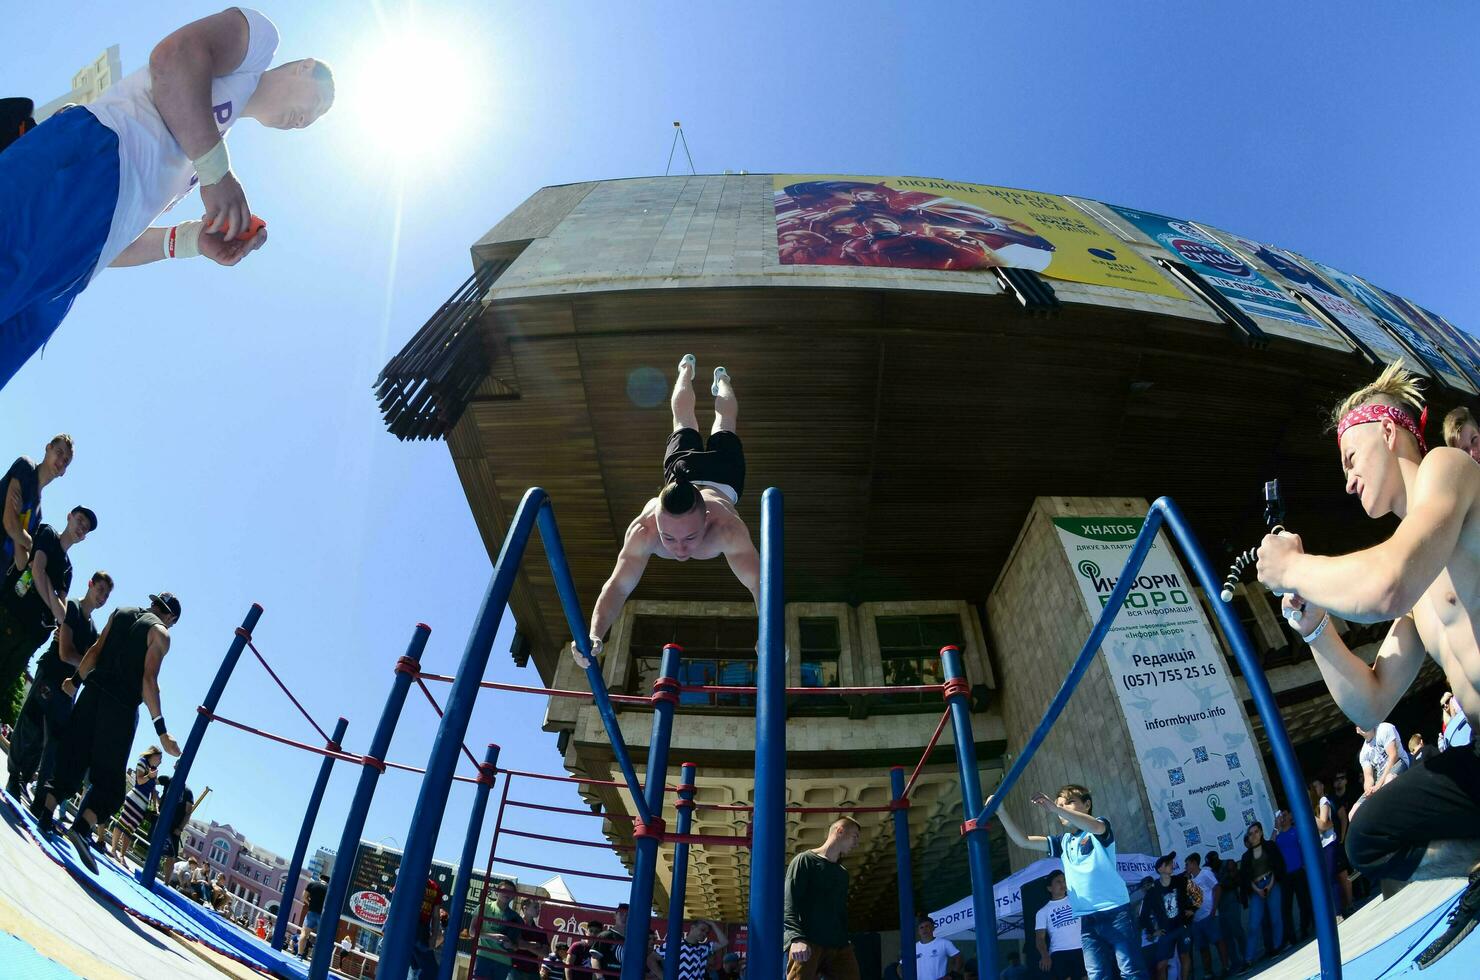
88 513
168 600
1168 858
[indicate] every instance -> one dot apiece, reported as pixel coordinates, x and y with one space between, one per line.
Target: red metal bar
814 691
498 822
537 961
438 709
566 905
940 726
561 840
706 840
566 871
549 692
575 813
746 808
273 674
317 750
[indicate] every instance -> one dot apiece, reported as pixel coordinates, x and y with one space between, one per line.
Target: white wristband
213 165
1315 634
183 240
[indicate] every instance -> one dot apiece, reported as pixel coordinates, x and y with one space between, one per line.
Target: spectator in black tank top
20 498
44 715
120 671
33 599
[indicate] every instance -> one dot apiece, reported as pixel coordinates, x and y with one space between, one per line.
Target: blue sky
226 433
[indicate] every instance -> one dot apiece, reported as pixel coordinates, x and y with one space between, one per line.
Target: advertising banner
1435 361
1459 354
1239 282
959 918
1459 338
1294 274
1198 759
924 223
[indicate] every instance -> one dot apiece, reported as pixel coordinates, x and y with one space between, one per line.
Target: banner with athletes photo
1198 758
1243 285
925 223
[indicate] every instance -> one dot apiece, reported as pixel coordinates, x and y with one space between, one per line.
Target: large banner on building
924 223
1243 285
1198 758
1457 351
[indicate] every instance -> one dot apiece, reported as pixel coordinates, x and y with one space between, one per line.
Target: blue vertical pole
768 844
676 890
359 809
431 804
645 862
295 866
978 848
487 773
907 961
1285 760
171 802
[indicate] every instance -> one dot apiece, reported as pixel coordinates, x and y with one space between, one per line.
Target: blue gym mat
163 908
1395 956
18 961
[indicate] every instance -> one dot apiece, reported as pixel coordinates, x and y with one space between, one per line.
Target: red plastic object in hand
251 231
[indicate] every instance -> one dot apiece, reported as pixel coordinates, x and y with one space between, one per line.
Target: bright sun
410 89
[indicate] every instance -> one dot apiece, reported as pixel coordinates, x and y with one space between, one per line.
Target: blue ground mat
164 908
18 961
1394 958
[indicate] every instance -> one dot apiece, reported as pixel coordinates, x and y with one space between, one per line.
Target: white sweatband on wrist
213 165
183 240
1315 634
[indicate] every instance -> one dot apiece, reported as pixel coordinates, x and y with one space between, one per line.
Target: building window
220 850
910 649
717 650
822 647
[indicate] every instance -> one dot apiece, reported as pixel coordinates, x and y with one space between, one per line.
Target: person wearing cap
695 513
1424 579
118 673
1166 914
43 716
731 968
33 597
80 191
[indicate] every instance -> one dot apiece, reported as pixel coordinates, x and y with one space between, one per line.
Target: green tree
10 702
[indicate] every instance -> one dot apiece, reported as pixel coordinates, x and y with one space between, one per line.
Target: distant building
89 83
254 875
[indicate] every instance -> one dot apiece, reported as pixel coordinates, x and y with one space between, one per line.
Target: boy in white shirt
1060 954
934 958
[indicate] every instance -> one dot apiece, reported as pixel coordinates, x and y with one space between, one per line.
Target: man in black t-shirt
43 717
20 499
33 598
606 948
313 905
120 671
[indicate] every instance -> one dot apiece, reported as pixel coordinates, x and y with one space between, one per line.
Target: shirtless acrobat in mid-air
694 515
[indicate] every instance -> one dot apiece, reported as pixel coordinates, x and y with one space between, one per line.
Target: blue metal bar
575 616
1291 775
1139 551
907 962
978 847
359 809
464 879
171 802
645 861
295 866
679 885
767 960
431 804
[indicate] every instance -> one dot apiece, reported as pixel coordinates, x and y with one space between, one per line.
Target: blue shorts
311 921
1170 944
58 189
1205 932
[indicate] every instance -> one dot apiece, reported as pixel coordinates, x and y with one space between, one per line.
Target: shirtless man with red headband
693 515
1426 579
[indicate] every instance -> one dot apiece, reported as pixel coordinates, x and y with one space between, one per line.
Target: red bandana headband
1372 412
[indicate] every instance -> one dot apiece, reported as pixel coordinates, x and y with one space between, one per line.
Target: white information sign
1198 758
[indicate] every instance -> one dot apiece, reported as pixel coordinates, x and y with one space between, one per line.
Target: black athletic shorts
722 461
1436 799
1066 964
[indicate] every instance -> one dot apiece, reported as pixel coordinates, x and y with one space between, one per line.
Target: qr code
1200 753
1175 776
1225 842
1232 758
1192 837
1245 788
1249 817
1177 810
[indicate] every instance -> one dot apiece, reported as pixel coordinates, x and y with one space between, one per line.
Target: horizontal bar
814 691
316 750
706 840
566 809
549 692
562 840
564 871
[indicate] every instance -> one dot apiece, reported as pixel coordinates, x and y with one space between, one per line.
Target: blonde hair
1454 422
1395 386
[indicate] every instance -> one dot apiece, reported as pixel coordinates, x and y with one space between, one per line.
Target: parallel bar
978 847
568 871
768 845
431 804
575 616
171 803
678 887
603 845
465 866
570 810
900 792
645 861
359 809
1285 760
295 865
549 692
